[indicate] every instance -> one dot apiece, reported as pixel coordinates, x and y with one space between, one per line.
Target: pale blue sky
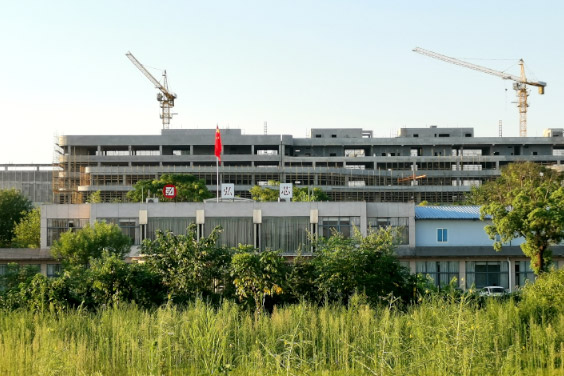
296 64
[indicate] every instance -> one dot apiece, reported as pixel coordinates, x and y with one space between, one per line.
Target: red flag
218 146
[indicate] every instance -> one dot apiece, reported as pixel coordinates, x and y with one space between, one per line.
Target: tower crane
519 85
165 97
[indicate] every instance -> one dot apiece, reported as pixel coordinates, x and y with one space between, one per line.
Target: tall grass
433 338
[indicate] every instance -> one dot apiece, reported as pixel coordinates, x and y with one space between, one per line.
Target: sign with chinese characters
286 190
228 191
169 191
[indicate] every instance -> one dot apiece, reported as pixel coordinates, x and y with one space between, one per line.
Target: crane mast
165 97
519 85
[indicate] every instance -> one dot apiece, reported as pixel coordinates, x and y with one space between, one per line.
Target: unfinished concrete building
433 164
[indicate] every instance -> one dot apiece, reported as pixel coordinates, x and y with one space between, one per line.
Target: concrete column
462 275
411 224
363 221
511 274
43 226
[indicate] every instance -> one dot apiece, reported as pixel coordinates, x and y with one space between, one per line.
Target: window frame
442 235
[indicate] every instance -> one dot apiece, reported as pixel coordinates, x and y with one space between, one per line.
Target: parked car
493 291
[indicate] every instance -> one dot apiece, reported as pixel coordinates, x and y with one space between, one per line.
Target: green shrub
545 297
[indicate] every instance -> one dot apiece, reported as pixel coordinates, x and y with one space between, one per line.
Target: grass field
433 338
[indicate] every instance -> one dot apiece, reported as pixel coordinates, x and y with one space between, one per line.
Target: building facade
420 164
34 181
440 242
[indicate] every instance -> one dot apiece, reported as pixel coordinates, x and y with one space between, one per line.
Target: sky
295 64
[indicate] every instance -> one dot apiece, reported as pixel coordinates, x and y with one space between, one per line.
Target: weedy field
436 337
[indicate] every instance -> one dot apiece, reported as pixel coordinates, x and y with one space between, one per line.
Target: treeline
182 268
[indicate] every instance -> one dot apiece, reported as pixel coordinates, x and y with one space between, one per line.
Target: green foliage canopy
257 275
27 231
13 207
186 266
112 281
360 264
78 247
526 201
95 198
299 194
545 296
189 188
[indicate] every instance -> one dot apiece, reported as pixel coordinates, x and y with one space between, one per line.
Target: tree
11 281
259 193
27 231
78 247
299 194
189 188
112 280
367 265
526 201
309 194
95 198
189 267
13 207
257 275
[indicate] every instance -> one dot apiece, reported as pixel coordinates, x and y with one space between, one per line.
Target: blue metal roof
447 212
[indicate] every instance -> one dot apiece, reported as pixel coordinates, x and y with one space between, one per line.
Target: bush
545 297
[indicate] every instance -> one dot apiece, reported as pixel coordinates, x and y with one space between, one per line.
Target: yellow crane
165 97
519 85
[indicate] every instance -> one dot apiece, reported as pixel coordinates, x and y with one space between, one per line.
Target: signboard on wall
169 191
286 191
228 191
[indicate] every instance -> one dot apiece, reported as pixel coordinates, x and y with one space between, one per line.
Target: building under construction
438 165
34 181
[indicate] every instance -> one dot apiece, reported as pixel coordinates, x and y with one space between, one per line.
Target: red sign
169 191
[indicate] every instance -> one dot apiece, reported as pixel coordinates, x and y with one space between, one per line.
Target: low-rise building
438 241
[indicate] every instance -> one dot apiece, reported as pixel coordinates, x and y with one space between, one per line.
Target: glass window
56 226
344 225
3 269
442 235
441 272
128 227
53 270
176 225
236 230
523 273
288 234
487 273
400 224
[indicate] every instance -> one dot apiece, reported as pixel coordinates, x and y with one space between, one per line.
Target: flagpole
217 152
